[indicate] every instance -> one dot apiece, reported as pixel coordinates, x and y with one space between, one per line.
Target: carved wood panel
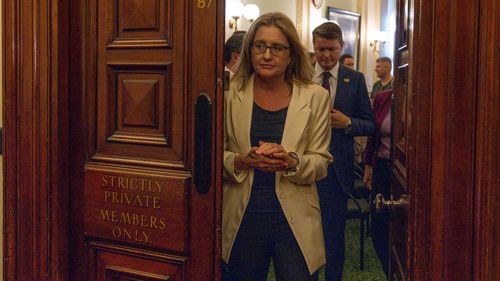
118 263
137 214
140 112
139 23
401 140
139 106
142 208
400 114
50 69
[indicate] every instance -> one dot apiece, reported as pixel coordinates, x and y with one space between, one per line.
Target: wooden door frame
486 259
420 180
36 143
35 124
455 141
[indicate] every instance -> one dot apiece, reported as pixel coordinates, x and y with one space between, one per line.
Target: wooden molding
35 88
453 121
486 239
454 57
421 178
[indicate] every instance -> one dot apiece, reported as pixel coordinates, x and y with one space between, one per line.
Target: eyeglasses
276 49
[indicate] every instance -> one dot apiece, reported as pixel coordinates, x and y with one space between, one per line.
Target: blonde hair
298 71
330 31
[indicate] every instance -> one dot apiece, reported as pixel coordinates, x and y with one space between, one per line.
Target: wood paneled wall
457 65
487 180
35 198
453 121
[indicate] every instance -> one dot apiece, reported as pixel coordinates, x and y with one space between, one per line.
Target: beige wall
350 5
315 15
288 7
307 17
370 19
312 17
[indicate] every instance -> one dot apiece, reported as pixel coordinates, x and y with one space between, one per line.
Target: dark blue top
266 126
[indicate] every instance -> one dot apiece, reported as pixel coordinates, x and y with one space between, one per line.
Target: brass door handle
381 203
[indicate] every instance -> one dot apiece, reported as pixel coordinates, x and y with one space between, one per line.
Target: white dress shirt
318 79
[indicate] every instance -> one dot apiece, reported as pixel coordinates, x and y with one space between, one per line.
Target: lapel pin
346 80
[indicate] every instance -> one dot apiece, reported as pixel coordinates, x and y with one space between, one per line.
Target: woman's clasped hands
267 157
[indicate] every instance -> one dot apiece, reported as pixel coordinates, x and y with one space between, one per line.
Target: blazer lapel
341 87
241 114
297 118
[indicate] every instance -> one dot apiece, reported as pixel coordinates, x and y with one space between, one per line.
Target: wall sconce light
251 12
379 38
236 9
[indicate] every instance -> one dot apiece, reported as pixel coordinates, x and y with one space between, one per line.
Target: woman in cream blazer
303 151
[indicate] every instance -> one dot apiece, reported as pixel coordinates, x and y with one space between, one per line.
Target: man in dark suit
351 115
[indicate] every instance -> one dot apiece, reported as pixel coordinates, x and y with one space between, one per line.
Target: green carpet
373 270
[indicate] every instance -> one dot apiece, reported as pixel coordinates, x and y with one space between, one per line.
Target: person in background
347 60
351 115
232 50
383 70
359 142
377 177
276 137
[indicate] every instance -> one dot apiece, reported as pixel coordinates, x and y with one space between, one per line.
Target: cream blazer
307 132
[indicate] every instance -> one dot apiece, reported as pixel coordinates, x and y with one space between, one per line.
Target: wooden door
402 127
443 131
56 144
144 136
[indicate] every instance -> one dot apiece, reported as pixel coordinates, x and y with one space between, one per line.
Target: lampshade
251 12
382 36
235 8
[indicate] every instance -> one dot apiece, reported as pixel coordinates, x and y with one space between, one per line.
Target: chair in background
361 191
358 207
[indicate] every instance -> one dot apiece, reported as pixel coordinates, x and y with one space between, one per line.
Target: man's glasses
276 49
